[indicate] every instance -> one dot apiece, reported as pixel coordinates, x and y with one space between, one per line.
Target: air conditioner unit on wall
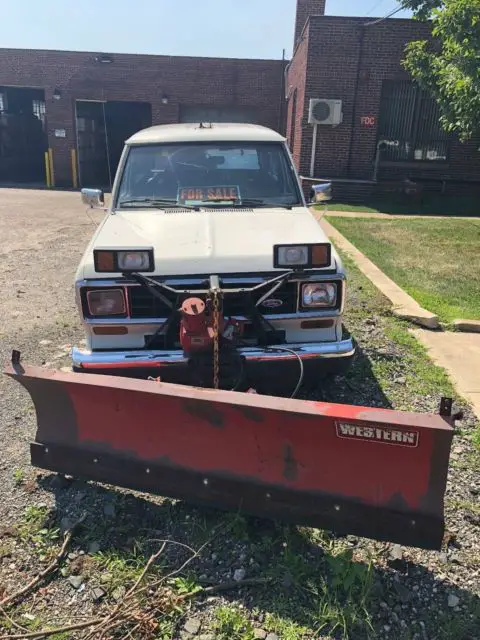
327 112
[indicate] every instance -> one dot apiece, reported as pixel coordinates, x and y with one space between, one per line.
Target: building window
38 108
409 125
218 114
3 103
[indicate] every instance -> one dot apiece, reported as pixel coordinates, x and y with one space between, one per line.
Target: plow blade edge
375 473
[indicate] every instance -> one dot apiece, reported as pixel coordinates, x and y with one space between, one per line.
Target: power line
389 15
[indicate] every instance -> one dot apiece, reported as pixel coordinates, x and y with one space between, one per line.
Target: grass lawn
436 261
434 204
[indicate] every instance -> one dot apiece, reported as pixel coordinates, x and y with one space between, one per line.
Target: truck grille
144 305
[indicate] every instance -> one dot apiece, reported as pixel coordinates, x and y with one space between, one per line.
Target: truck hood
207 242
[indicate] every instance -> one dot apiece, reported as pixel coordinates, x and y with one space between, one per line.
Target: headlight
113 261
137 260
106 302
292 256
297 256
319 294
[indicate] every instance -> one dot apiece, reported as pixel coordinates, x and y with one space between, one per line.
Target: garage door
23 138
102 128
218 114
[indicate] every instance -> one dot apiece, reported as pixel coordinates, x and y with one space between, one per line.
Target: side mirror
93 198
321 193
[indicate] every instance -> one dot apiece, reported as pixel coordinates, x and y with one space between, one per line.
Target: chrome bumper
83 359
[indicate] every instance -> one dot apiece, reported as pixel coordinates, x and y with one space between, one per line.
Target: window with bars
409 125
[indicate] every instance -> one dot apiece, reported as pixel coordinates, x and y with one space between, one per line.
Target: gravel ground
309 583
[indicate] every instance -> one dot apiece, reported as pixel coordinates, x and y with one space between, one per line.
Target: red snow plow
375 473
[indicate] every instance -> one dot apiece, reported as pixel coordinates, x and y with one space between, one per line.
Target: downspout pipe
281 110
355 97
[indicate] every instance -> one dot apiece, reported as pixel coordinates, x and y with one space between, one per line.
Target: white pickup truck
202 208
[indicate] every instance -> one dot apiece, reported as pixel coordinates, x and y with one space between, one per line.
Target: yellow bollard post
52 172
47 169
74 169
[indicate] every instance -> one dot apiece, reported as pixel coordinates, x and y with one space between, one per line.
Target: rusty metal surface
388 416
378 466
313 509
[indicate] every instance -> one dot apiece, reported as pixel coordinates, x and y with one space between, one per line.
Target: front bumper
311 353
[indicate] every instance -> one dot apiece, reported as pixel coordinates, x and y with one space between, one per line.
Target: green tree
448 66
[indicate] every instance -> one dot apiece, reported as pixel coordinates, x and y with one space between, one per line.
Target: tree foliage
448 67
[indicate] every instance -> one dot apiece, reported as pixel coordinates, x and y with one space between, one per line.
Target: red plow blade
374 473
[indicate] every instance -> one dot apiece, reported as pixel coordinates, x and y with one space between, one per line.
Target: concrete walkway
459 355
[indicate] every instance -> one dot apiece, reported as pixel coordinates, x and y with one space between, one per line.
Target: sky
223 28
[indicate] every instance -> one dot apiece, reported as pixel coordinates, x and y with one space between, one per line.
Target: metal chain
216 362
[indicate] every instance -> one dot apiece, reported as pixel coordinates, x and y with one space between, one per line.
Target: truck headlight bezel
117 294
113 260
330 302
310 256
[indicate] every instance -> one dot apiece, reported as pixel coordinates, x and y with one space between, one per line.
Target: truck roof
195 132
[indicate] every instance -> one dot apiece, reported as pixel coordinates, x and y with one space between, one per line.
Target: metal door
102 128
23 139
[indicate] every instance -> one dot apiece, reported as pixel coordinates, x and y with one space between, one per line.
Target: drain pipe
281 109
314 150
355 96
380 147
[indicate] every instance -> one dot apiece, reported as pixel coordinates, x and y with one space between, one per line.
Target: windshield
220 174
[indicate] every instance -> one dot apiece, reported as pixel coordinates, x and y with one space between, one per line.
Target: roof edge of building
365 19
139 55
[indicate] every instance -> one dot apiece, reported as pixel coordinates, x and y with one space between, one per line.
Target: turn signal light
105 261
316 324
110 331
321 255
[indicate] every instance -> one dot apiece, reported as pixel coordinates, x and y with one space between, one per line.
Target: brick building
85 105
358 61
81 106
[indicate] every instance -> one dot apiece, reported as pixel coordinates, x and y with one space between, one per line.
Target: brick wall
305 9
341 66
146 78
296 101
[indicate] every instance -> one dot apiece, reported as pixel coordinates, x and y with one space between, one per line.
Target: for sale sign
206 195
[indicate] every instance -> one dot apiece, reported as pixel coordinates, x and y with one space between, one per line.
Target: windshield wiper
256 202
162 203
157 203
247 202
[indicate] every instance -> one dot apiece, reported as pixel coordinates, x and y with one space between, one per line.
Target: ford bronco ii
208 267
